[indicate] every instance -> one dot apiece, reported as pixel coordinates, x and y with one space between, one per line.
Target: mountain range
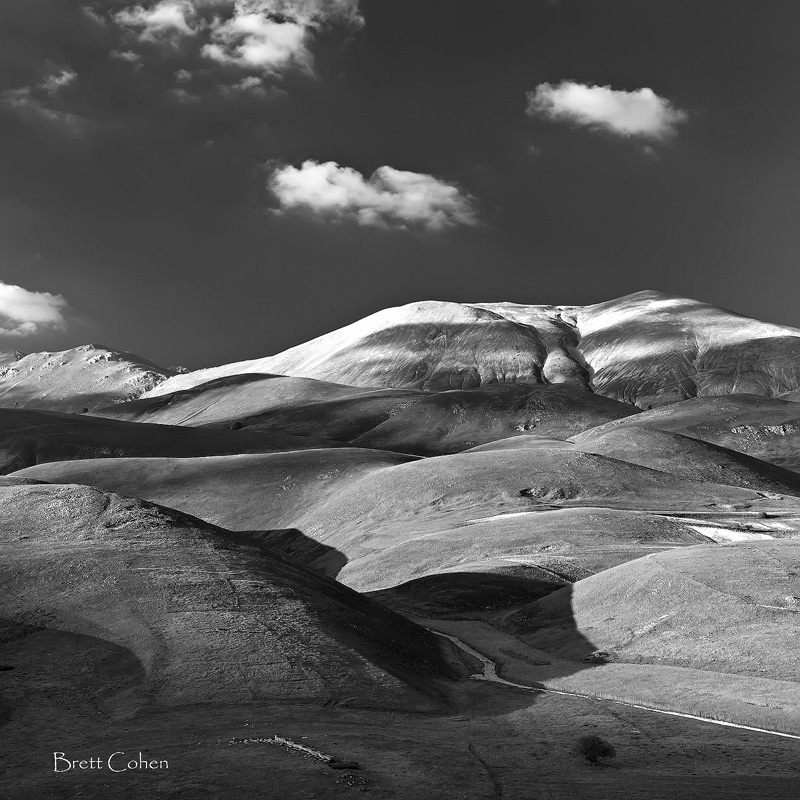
594 509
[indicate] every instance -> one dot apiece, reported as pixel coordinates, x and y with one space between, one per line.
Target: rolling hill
731 609
29 437
150 608
762 427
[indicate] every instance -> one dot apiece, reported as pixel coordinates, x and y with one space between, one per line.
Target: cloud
389 198
58 80
640 113
253 41
24 313
271 36
167 18
40 102
267 37
126 55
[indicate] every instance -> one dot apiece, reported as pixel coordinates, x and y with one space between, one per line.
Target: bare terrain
441 545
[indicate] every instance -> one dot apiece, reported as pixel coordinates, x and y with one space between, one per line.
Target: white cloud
165 18
389 198
257 37
24 313
270 36
640 113
256 42
58 80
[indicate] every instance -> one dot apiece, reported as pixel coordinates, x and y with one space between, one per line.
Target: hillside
29 437
761 427
688 458
149 608
376 519
731 609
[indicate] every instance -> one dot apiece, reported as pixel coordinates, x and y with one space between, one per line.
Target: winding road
489 674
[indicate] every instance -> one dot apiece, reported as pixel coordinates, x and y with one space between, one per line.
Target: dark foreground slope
29 437
149 608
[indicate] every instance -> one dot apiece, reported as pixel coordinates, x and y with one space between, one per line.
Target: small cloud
167 18
91 14
640 113
390 198
126 55
182 96
58 80
25 313
251 86
533 150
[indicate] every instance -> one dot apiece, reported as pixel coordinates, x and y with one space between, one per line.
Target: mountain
10 356
649 349
73 380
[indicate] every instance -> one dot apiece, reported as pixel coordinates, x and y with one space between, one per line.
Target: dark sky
151 214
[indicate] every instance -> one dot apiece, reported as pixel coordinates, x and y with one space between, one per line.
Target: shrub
593 748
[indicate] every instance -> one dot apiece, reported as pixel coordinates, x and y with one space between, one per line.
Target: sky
205 181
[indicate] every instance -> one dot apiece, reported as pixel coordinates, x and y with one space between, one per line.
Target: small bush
237 426
593 748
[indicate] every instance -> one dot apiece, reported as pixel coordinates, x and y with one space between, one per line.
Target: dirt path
489 673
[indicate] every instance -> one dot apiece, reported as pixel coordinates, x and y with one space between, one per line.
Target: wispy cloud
640 113
24 313
41 102
390 198
167 18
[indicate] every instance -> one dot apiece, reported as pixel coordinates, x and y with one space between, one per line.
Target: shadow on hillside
451 594
295 545
44 668
29 437
533 646
341 419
